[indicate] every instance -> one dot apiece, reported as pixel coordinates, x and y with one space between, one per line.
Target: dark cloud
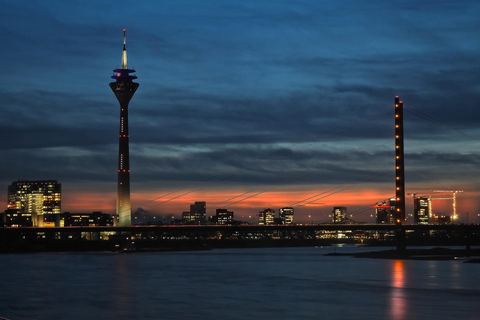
255 92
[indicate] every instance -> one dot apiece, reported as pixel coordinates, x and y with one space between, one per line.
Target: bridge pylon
399 215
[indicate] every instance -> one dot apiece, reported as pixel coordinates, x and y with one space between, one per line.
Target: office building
196 215
339 215
94 219
30 201
223 217
17 218
441 219
421 210
266 217
385 211
286 215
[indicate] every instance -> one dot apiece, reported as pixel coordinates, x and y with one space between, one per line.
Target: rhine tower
124 89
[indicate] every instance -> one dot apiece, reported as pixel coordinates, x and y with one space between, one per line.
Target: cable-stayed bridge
105 237
371 175
187 237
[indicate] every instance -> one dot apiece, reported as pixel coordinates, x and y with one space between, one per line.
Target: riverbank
417 254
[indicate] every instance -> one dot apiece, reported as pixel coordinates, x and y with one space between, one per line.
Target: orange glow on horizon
251 206
88 201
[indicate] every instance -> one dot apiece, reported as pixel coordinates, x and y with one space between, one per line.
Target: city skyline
283 101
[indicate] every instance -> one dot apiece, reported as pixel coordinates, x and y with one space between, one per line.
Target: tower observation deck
124 89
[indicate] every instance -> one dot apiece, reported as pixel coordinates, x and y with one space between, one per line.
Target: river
260 283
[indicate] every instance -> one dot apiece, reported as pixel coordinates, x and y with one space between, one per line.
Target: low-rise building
223 217
94 219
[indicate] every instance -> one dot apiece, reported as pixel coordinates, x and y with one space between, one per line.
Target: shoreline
437 253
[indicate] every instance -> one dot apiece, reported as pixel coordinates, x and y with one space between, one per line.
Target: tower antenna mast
124 52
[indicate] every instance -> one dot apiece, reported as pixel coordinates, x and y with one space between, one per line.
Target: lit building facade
286 215
223 217
16 218
441 219
30 201
393 209
197 213
124 89
94 219
266 217
421 210
385 211
339 215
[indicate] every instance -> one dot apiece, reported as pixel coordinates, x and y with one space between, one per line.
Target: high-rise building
124 89
286 215
421 210
30 201
199 210
385 211
197 213
266 217
339 214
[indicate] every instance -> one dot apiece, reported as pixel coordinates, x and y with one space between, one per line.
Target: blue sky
248 92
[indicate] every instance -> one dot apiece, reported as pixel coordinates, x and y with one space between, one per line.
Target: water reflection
456 275
398 299
121 289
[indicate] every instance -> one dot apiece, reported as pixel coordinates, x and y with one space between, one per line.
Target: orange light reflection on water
398 300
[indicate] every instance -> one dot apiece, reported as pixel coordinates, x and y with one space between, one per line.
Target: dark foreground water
267 283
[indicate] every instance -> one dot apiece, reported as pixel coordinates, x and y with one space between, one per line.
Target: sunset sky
243 104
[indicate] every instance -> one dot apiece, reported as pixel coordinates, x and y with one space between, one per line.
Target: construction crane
454 198
429 198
